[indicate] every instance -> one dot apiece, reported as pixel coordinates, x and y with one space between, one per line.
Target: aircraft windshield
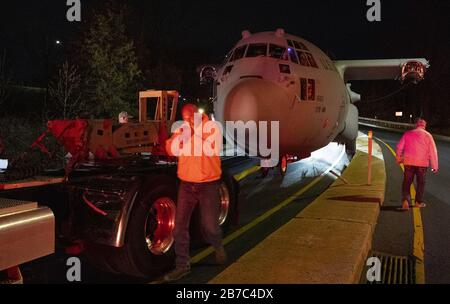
256 50
228 57
238 53
278 52
292 55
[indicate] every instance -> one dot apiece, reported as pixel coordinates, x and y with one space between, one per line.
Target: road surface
395 231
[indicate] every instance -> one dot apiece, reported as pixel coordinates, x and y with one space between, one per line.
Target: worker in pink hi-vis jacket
416 150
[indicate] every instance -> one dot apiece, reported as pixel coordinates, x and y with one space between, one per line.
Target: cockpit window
311 60
256 50
292 55
228 57
298 45
278 52
238 53
303 58
299 53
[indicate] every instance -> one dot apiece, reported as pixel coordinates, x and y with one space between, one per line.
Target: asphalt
328 241
394 232
257 196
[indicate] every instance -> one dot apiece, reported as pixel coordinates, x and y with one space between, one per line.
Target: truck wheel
99 256
148 248
227 203
227 214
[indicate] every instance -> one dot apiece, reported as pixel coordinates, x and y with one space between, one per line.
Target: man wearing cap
416 150
123 117
200 174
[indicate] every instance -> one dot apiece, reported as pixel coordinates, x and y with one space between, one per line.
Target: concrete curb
328 242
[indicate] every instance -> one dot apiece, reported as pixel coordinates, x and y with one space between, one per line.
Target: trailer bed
35 181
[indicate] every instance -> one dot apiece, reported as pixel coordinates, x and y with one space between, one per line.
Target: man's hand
434 171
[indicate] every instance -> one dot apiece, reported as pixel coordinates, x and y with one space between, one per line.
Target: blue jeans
408 179
207 196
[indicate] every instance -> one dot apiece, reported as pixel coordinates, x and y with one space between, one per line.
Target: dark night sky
203 31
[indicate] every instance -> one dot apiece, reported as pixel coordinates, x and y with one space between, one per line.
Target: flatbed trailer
36 181
119 213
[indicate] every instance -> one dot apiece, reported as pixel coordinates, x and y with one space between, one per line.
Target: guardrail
394 126
385 123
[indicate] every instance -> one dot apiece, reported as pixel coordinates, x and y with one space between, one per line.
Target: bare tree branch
65 91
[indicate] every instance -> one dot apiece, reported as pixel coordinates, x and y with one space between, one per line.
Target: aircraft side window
293 55
297 45
278 52
256 50
303 89
239 53
307 89
227 70
311 89
303 58
285 68
303 46
311 60
300 46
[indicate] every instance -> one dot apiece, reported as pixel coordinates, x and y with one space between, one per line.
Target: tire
136 258
228 185
264 172
140 257
350 147
99 256
228 216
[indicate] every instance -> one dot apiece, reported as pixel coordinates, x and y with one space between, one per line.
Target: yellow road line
418 243
246 173
201 255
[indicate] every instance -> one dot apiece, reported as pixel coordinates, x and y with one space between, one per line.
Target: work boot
420 205
405 205
221 256
176 274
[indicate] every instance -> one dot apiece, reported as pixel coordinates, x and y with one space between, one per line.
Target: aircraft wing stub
379 69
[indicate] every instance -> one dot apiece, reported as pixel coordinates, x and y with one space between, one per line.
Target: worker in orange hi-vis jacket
197 144
416 150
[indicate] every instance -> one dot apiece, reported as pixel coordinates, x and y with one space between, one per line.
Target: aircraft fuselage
273 76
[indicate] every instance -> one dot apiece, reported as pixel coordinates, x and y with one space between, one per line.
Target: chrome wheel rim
224 203
159 226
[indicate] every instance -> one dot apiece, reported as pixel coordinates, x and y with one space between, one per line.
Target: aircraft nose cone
241 104
259 101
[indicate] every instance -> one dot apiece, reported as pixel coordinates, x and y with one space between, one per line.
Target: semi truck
114 200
